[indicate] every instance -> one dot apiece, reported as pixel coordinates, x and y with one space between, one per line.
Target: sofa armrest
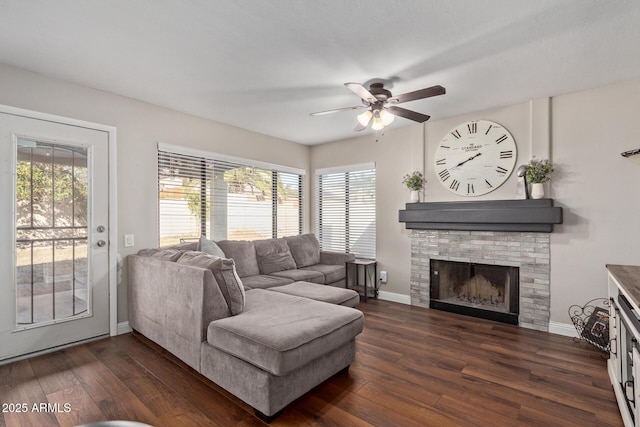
333 257
172 304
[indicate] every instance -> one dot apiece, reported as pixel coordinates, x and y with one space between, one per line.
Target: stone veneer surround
528 251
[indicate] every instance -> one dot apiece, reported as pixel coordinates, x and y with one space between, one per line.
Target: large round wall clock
475 158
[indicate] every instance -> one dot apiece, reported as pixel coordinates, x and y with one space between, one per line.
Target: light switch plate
128 241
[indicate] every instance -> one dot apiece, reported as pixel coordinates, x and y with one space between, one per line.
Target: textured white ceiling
264 65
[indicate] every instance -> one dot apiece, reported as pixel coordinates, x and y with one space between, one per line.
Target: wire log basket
592 323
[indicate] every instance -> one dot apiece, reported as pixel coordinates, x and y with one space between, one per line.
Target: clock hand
470 158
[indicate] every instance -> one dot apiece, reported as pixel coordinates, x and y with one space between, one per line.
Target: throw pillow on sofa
210 247
224 271
305 249
243 253
273 256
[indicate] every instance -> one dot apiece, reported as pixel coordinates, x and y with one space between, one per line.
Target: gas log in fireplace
480 290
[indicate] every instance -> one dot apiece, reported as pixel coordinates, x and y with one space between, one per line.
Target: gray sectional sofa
259 322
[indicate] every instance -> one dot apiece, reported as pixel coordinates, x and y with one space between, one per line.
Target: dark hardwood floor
414 367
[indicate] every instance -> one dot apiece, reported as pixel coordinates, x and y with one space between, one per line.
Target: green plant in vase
415 182
538 172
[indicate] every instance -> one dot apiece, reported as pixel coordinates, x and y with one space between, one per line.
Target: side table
367 288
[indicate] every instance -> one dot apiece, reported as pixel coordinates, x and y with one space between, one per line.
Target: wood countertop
628 277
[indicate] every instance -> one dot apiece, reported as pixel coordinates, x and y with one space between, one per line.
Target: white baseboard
565 329
393 297
123 328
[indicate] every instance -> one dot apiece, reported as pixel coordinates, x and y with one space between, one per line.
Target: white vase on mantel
414 196
537 190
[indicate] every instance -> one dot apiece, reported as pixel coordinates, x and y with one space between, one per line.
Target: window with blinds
346 210
225 199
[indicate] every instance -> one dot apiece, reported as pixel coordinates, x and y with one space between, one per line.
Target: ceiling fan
381 105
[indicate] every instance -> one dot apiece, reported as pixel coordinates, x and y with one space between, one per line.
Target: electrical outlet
383 276
128 241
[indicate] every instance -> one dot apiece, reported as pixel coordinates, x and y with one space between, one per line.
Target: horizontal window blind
346 211
224 199
289 209
184 184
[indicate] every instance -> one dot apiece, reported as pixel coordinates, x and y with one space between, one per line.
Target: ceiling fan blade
359 128
337 110
362 92
408 114
418 94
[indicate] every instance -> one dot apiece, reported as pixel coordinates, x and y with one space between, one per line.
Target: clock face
475 158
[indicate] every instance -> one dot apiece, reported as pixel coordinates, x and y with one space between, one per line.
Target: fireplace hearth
479 290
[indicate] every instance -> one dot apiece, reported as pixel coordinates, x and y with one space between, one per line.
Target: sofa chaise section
285 344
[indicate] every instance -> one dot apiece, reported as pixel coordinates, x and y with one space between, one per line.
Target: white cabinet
634 389
614 327
624 327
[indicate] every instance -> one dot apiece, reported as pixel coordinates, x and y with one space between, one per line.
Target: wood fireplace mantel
491 215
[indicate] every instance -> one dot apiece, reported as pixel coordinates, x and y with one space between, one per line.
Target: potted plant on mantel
538 172
415 182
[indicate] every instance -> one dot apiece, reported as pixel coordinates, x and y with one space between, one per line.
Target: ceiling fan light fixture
365 118
377 124
386 117
376 101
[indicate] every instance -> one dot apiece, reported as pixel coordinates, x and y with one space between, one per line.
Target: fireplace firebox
480 290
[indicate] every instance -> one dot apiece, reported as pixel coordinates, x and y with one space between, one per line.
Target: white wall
517 119
140 126
582 133
395 153
598 189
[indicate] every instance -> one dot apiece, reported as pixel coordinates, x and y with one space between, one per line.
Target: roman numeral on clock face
441 162
501 139
501 170
472 127
444 175
488 129
456 134
470 189
454 185
488 183
506 154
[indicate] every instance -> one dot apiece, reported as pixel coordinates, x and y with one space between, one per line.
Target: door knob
101 243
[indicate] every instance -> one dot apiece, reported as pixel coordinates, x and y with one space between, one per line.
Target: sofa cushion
305 249
224 271
243 252
263 281
165 254
324 293
274 255
331 272
210 247
280 333
301 276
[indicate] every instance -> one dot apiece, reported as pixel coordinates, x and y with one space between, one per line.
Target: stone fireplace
510 233
528 251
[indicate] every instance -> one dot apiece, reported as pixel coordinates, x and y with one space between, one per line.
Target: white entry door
54 228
